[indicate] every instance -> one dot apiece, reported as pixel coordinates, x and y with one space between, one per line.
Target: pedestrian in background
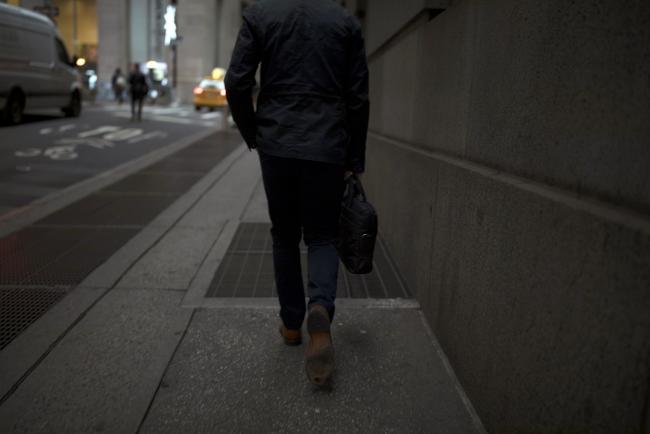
118 83
138 89
310 130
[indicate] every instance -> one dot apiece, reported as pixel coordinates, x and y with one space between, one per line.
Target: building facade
136 31
508 159
116 33
75 19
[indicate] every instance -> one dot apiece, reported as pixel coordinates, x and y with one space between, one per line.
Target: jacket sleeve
240 78
358 106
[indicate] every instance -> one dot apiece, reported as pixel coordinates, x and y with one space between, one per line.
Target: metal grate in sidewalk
57 256
247 270
42 262
19 307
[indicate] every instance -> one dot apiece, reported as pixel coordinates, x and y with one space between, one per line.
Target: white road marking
166 110
97 143
212 115
45 130
147 136
123 134
172 119
29 152
69 147
61 153
67 127
99 130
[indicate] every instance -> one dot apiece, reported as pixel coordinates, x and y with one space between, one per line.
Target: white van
35 70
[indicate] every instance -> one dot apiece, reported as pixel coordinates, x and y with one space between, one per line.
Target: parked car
210 93
36 71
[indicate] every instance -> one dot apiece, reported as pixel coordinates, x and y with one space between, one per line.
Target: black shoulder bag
357 229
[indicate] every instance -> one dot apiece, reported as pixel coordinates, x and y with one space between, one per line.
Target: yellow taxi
211 91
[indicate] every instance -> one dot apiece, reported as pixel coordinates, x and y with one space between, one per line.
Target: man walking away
310 131
138 89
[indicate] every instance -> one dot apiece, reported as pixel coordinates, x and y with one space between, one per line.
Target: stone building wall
509 158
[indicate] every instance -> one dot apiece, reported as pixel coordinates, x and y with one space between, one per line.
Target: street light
170 25
171 38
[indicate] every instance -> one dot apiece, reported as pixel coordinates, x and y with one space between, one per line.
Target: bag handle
355 187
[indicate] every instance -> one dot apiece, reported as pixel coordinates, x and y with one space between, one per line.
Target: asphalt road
49 152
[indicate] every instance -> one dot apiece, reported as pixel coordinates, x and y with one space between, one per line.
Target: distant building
75 19
200 34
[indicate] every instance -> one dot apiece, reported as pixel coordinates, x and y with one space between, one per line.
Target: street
50 152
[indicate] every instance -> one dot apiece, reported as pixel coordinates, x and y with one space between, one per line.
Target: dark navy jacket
313 99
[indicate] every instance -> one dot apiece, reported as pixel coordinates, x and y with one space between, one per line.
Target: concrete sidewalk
138 347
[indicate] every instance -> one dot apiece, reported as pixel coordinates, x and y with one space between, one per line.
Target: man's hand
349 173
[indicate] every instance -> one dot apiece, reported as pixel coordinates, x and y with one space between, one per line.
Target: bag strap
354 184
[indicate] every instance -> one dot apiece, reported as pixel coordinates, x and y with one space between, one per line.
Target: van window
61 52
9 47
23 44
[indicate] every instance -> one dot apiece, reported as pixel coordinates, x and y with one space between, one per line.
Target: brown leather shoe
291 337
319 359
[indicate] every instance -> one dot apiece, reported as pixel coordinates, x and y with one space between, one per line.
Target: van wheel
13 111
73 109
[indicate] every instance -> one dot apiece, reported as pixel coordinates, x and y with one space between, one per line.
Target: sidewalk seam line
181 216
205 258
49 349
478 423
160 382
393 266
250 199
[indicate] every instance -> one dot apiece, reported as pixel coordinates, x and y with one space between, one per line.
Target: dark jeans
119 94
304 199
136 101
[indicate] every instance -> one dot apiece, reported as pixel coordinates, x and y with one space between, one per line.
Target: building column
229 22
196 25
113 41
139 19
